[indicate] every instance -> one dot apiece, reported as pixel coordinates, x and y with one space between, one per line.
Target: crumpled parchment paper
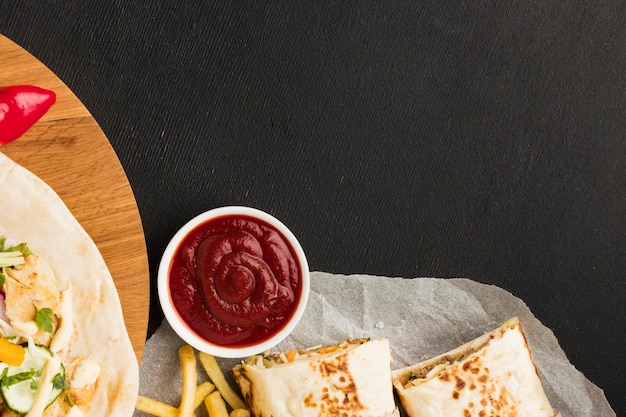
421 317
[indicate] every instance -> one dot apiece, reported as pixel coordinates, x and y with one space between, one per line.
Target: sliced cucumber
19 384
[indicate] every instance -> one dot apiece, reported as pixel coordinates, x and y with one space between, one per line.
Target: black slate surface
470 139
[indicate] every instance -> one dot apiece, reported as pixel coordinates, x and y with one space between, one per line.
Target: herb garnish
44 319
60 382
8 380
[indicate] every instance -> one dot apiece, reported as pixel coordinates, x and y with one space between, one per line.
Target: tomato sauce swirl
235 280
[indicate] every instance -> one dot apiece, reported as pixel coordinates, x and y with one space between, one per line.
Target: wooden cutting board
68 150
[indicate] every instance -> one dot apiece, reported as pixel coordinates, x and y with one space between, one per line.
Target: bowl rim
177 323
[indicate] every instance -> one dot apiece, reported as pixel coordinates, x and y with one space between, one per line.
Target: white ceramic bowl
188 334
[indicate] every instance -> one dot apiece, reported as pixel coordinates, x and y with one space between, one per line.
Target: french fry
202 391
215 405
192 396
154 407
240 412
217 376
189 374
161 409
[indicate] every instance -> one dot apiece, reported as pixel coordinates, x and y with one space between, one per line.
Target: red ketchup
235 280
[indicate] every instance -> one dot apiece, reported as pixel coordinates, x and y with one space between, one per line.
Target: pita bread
35 214
493 374
352 380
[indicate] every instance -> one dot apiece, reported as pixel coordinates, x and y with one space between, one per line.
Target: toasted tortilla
33 213
493 374
354 380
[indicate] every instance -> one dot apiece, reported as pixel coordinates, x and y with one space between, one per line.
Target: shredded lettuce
20 247
12 255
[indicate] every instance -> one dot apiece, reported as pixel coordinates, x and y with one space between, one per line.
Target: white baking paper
421 317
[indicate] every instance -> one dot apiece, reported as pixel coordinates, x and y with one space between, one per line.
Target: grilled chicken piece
29 288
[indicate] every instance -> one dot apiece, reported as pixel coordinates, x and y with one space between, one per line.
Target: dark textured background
410 138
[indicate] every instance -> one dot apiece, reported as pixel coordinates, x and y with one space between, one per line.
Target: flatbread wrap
59 311
492 375
351 379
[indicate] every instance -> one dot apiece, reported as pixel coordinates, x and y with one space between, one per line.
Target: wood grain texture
68 150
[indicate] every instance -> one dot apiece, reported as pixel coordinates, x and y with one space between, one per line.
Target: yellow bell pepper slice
10 353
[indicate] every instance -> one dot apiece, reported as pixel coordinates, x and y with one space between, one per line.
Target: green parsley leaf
3 279
59 382
8 380
44 319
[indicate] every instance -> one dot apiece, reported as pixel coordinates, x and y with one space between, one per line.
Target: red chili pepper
20 108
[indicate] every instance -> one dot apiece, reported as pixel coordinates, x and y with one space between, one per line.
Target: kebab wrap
351 379
491 375
59 311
